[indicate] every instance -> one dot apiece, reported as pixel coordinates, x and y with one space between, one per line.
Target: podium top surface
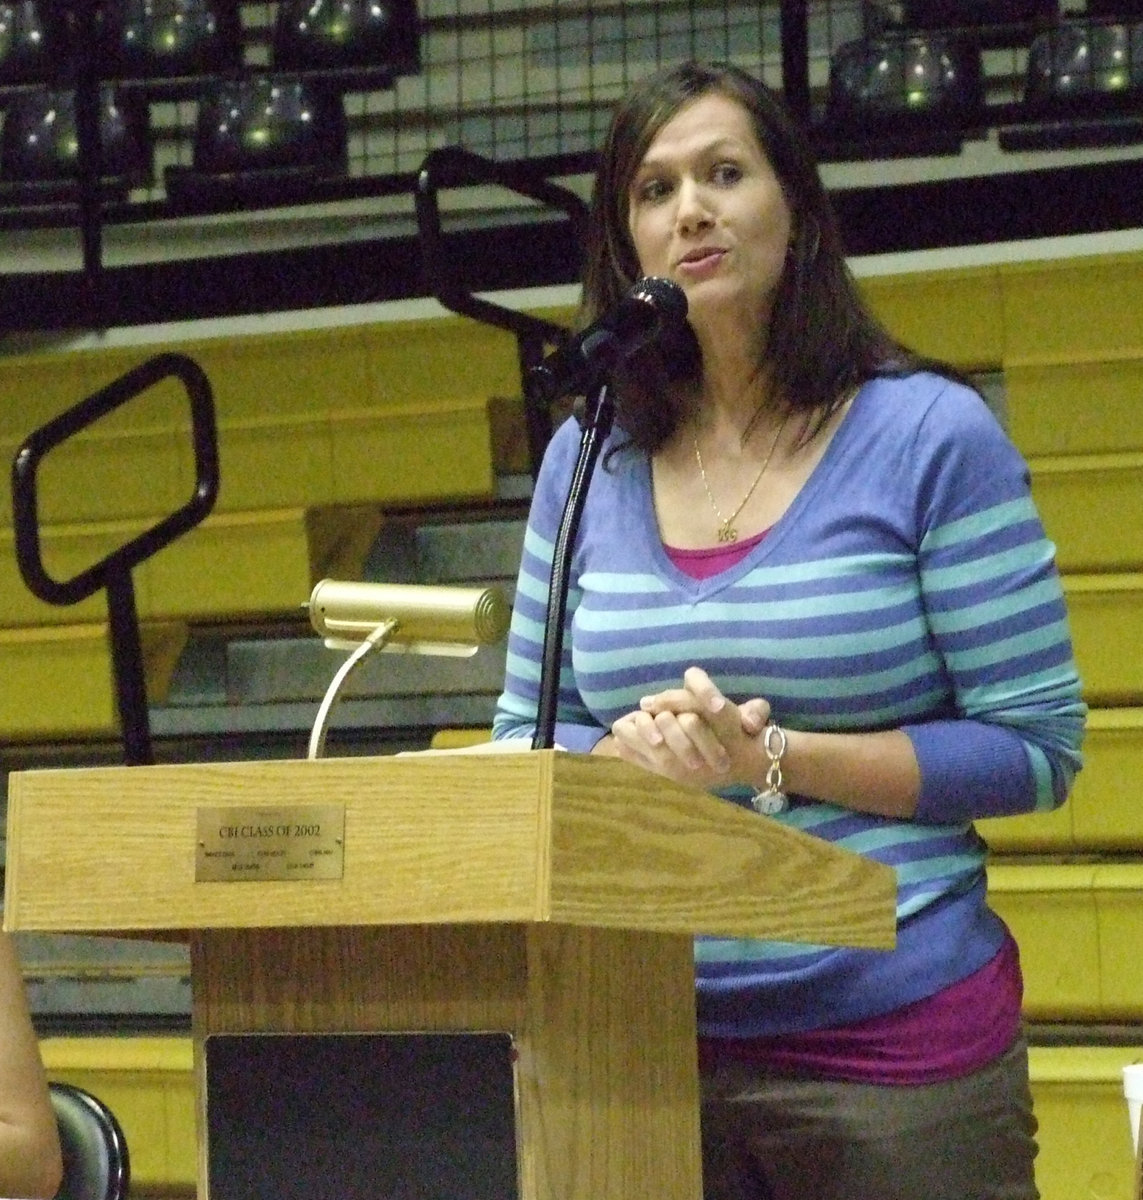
429 839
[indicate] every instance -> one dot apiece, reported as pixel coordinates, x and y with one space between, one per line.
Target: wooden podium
549 896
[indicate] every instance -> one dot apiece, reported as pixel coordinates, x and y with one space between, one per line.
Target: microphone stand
599 411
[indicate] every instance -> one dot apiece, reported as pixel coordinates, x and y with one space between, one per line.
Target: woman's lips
701 262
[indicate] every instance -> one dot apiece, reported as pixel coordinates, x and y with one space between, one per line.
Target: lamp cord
373 641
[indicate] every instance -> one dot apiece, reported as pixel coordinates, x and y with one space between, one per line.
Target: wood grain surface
434 838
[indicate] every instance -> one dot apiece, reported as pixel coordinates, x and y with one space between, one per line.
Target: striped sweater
910 585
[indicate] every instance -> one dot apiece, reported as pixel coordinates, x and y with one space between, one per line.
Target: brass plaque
298 842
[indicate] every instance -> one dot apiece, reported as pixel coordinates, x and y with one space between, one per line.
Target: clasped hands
694 735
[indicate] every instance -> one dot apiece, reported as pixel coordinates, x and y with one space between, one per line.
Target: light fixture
162 38
347 33
269 122
40 152
1085 67
29 43
902 81
413 618
263 138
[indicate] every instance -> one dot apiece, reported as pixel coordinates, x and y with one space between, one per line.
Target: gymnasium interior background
364 300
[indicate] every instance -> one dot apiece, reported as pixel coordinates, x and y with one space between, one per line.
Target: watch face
770 803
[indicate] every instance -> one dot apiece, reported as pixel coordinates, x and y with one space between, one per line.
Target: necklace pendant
727 533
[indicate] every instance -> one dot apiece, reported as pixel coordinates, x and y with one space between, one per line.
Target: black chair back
95 1158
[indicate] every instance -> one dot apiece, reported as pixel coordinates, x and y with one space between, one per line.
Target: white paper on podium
503 746
1133 1092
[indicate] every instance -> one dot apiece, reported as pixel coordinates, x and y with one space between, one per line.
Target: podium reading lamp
413 618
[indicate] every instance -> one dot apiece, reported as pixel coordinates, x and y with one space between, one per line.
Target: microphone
574 369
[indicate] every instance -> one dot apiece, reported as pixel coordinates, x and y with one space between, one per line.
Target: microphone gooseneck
652 305
581 368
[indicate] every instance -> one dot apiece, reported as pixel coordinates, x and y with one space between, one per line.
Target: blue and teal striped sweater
909 585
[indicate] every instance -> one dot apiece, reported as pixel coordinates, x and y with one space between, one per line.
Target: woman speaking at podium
809 576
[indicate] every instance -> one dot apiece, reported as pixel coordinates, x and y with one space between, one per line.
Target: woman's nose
693 212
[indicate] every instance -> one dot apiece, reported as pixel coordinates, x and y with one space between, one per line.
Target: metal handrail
453 167
113 572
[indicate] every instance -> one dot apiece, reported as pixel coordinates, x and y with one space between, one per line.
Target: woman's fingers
754 714
700 696
674 700
677 745
692 733
704 689
693 741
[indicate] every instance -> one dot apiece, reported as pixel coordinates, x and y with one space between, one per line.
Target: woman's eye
726 173
651 190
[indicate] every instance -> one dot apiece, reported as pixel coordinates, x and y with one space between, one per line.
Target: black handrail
794 24
113 571
453 167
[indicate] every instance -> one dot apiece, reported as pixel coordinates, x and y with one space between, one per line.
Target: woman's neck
735 395
731 409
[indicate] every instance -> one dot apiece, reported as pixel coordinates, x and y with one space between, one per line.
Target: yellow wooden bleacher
149 1084
319 424
318 429
1070 884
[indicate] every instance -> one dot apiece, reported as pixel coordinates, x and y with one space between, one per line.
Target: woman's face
707 211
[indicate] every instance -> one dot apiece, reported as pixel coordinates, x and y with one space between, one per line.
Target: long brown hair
822 341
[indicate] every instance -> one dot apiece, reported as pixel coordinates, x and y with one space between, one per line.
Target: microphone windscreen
665 296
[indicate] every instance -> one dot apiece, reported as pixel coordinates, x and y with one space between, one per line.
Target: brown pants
771 1137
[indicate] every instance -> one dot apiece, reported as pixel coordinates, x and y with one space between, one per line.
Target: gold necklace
726 530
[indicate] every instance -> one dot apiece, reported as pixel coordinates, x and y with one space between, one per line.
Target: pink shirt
952 1033
702 564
